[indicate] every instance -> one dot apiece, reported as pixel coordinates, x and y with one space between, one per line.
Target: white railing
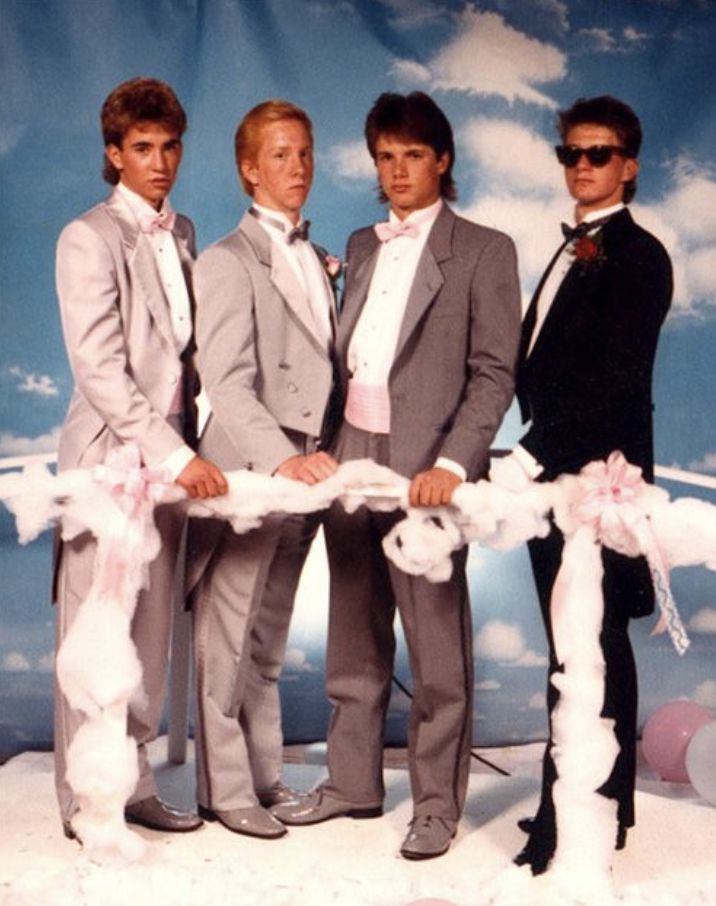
180 669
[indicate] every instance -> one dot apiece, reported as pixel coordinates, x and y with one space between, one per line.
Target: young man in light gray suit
265 323
125 301
427 345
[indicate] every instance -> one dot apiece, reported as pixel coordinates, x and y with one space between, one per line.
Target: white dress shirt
171 276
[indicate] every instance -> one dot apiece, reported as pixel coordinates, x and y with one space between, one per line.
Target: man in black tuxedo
584 380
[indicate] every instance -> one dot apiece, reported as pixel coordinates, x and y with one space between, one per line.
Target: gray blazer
118 334
452 378
264 371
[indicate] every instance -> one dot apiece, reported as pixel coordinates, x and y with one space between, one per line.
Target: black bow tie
299 232
586 226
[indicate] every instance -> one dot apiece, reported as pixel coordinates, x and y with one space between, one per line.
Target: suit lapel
142 266
361 266
282 277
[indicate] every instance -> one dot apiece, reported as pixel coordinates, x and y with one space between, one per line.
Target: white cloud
488 686
558 10
707 464
410 71
511 154
705 694
351 161
704 621
599 39
537 702
14 662
45 664
487 56
684 219
296 661
631 33
29 382
14 445
504 642
414 13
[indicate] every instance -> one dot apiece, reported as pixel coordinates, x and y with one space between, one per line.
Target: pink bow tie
149 223
386 231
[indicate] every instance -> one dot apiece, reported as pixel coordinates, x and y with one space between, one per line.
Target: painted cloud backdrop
500 70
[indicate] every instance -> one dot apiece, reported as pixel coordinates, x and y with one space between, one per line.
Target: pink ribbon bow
387 230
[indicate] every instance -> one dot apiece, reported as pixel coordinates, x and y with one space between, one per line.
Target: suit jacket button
305 412
292 388
284 366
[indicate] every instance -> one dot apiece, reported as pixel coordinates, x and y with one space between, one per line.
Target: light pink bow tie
387 230
163 220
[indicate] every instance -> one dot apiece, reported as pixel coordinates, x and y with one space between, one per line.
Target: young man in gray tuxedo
584 381
122 271
265 326
426 345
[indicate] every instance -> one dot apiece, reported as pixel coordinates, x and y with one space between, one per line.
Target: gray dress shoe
157 815
428 837
318 806
253 821
279 794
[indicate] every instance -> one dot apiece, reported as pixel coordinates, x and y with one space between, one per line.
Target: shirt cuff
177 461
442 462
532 468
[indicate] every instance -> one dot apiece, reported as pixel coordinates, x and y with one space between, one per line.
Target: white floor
671 857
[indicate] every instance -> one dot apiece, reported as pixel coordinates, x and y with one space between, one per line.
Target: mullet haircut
415 117
615 115
247 139
136 101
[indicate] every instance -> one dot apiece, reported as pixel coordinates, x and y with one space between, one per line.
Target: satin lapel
361 267
283 279
142 267
428 276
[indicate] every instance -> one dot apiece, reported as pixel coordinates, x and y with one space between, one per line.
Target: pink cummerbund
368 407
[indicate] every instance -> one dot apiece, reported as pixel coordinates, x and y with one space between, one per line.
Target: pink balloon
666 735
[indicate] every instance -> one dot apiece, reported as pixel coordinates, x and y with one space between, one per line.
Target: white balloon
701 761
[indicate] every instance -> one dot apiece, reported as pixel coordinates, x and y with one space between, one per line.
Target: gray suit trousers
242 608
436 619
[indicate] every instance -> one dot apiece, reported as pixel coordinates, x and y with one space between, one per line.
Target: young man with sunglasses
584 380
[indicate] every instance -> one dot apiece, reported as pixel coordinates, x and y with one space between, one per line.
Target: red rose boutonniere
334 268
588 252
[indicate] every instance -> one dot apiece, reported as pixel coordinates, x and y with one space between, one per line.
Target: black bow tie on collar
586 226
299 232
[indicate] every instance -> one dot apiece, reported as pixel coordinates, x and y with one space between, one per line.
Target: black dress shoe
621 837
526 825
69 831
536 857
157 815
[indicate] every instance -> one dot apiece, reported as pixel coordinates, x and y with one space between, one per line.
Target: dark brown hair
615 115
417 117
135 101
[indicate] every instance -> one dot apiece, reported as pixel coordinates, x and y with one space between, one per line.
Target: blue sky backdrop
500 69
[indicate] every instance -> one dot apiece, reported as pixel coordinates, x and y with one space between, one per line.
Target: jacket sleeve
88 291
494 338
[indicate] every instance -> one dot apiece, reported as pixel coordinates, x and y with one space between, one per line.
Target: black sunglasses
597 155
